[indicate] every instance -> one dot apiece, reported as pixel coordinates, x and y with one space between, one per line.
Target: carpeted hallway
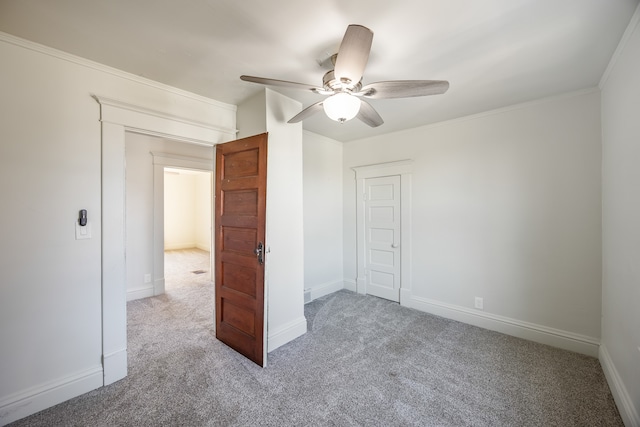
364 362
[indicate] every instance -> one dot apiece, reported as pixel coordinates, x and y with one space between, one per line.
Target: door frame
403 168
117 118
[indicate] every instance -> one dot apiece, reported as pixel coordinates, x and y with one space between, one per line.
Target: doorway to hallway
188 223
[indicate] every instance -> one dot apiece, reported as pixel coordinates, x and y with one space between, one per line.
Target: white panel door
382 236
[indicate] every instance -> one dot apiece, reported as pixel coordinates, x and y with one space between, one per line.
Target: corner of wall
635 20
251 115
621 396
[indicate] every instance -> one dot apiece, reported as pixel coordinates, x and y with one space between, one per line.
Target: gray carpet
364 362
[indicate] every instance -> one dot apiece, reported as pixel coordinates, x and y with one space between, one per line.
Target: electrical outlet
147 278
479 303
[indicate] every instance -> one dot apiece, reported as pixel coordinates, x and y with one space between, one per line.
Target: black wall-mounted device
82 217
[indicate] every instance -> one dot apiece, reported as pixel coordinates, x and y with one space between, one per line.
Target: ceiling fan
344 88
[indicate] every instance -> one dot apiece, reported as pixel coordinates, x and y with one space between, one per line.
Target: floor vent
199 271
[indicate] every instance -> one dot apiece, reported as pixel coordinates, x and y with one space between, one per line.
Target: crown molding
46 50
501 110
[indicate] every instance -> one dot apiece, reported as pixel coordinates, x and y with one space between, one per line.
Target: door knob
394 245
259 251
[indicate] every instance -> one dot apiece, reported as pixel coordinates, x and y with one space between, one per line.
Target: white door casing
117 118
382 236
402 170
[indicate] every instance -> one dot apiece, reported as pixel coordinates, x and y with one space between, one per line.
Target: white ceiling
493 52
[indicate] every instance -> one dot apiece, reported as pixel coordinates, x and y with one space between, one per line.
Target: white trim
404 169
149 112
350 285
157 251
286 333
398 134
178 246
165 135
117 118
35 399
506 325
361 285
147 121
628 411
405 297
406 251
383 169
185 162
114 276
115 365
158 286
110 70
326 288
633 23
139 293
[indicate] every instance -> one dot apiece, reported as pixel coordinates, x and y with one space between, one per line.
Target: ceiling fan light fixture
341 107
343 85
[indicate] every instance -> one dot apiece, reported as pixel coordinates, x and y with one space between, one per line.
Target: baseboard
405 297
177 246
327 288
115 366
530 331
202 247
628 411
286 333
35 399
350 285
158 286
134 294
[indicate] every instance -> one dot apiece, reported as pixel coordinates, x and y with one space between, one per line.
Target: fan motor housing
330 82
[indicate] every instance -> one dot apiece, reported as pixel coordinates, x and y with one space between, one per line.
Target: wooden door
382 236
241 182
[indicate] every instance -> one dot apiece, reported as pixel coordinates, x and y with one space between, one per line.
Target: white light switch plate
83 232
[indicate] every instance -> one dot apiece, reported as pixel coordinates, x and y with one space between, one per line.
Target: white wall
50 167
139 204
268 111
50 296
251 117
285 236
179 214
187 210
620 348
322 197
505 206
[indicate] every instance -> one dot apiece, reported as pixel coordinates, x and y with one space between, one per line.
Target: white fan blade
369 115
404 89
353 53
282 83
310 110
